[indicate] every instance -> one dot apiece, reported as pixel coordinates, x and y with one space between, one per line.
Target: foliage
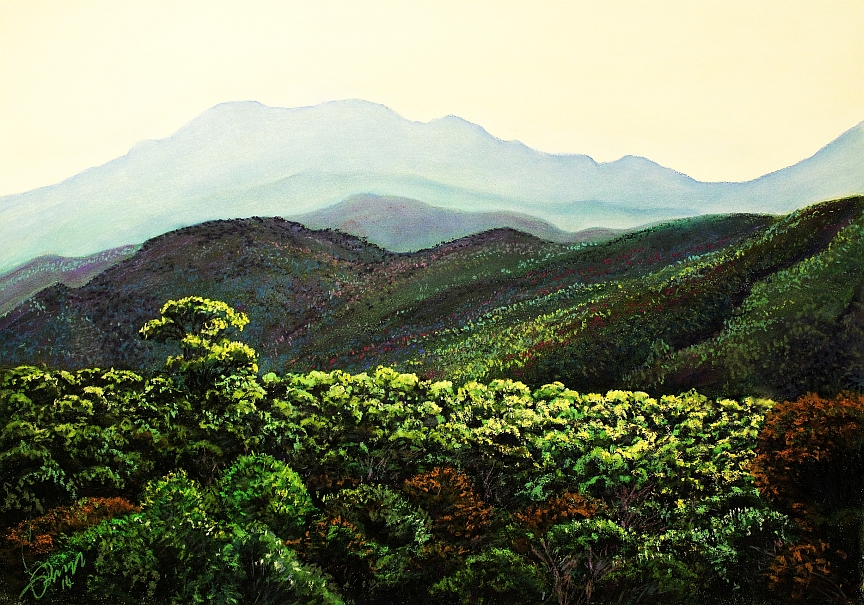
495 576
383 487
810 464
180 548
69 435
369 540
459 516
263 488
198 325
342 429
36 536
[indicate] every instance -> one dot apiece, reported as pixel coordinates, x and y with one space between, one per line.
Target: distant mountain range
404 225
245 159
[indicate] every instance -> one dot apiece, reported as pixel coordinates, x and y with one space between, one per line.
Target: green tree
218 393
187 544
199 326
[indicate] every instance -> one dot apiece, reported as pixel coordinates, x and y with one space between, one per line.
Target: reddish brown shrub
806 451
540 517
810 463
457 512
803 572
36 536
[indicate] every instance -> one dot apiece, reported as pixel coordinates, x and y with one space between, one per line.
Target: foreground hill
322 297
246 159
731 304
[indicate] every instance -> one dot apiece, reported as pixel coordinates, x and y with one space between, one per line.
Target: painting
387 302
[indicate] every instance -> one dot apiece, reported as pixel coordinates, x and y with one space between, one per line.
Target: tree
219 376
207 354
810 463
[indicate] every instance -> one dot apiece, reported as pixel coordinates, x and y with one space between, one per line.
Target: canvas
456 303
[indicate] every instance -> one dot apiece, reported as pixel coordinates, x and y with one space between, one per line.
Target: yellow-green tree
199 326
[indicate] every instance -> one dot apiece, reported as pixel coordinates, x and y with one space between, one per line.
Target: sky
719 90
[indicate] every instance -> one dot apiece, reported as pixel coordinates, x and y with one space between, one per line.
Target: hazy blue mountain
245 159
404 225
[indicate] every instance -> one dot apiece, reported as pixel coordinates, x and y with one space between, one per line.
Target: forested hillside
732 305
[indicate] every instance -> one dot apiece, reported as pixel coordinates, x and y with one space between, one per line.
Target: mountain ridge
246 159
311 290
404 225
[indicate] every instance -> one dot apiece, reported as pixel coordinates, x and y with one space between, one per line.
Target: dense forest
671 416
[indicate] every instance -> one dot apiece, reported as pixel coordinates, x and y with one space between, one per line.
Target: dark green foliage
371 539
263 488
68 435
182 548
497 576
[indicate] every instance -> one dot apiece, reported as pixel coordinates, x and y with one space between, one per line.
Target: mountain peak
244 158
457 124
235 115
247 105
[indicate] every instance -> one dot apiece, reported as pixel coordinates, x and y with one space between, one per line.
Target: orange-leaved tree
810 464
458 514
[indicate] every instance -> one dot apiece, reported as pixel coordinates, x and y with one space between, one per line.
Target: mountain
245 159
322 297
21 283
405 225
733 305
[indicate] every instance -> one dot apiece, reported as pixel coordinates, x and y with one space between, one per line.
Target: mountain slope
245 159
18 285
404 225
320 298
800 330
629 328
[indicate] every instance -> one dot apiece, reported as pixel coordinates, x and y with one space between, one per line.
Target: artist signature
43 576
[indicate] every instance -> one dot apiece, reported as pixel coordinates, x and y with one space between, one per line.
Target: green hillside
734 305
623 332
800 329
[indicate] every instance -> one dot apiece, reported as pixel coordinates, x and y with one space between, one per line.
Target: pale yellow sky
723 90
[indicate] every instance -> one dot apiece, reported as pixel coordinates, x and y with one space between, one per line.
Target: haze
717 90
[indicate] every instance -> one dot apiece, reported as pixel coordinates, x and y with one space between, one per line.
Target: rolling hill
404 225
735 305
21 283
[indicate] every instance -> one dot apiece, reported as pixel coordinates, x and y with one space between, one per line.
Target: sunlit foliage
382 487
